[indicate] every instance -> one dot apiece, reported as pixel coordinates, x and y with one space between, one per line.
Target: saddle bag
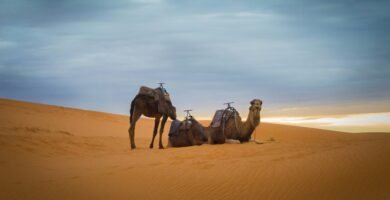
174 129
217 119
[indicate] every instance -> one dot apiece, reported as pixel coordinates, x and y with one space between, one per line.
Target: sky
305 59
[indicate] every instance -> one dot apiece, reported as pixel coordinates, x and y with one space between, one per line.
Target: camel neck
248 126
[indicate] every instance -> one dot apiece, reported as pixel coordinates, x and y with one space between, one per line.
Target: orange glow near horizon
355 123
366 122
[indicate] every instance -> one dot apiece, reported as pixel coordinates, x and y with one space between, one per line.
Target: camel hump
155 93
147 91
160 96
164 92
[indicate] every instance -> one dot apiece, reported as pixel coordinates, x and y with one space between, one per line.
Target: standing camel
147 105
234 128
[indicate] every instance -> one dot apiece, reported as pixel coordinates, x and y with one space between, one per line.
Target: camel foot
132 146
256 141
161 147
231 141
151 146
259 142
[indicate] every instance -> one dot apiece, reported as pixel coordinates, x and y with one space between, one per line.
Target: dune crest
49 152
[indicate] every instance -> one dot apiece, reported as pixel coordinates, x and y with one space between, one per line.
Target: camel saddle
217 119
177 126
174 129
160 95
220 117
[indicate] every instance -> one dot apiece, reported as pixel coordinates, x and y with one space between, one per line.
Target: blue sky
302 58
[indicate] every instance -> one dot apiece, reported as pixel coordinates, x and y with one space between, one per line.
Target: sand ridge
49 152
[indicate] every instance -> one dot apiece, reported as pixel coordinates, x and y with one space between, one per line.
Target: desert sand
52 152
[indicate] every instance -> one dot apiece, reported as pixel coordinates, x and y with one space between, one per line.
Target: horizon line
352 123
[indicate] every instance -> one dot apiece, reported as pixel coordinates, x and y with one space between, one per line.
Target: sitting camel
151 103
232 128
186 133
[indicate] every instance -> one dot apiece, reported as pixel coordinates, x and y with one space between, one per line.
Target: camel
148 106
187 133
214 135
234 128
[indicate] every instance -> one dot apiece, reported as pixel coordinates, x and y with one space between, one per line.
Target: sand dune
51 152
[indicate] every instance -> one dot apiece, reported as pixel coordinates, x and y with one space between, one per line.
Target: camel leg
131 131
209 140
191 138
210 135
164 120
156 123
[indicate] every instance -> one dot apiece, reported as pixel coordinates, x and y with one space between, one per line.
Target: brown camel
214 135
234 128
186 133
148 106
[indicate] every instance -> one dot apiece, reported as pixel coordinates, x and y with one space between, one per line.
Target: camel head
254 110
199 131
172 112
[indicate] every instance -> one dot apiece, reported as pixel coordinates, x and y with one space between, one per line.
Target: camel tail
132 109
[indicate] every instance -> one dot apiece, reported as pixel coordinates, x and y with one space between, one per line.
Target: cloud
258 15
99 52
354 123
6 44
147 1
